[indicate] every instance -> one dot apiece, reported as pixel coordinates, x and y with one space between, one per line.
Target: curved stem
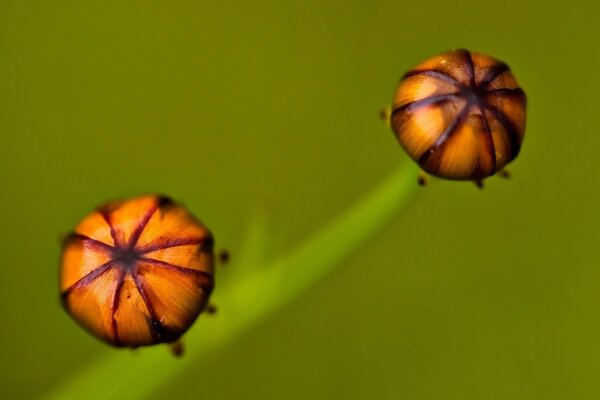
245 302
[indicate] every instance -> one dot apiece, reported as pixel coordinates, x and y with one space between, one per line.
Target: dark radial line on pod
470 66
492 74
516 92
515 142
135 236
489 139
115 306
186 270
154 324
449 131
442 98
87 279
172 243
105 214
93 242
433 73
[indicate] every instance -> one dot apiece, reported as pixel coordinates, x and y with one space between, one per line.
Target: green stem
247 301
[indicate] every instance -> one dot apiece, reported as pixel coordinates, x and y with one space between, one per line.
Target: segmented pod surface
137 272
460 115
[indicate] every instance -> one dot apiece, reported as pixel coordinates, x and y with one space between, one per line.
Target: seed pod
137 272
460 115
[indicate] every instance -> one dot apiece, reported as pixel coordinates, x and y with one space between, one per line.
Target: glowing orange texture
137 272
460 115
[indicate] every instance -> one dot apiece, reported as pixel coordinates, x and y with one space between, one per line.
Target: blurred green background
238 107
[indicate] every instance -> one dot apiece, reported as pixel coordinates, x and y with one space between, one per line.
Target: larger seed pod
137 272
460 115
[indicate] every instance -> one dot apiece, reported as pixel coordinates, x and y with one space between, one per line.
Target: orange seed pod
137 272
460 115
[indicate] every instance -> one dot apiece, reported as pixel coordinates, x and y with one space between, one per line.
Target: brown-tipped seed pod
460 115
137 272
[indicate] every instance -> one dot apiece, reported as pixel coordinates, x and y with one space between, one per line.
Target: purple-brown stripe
205 278
512 93
448 132
90 241
115 306
489 141
492 73
439 99
154 324
87 279
470 66
514 138
106 215
433 73
172 243
141 226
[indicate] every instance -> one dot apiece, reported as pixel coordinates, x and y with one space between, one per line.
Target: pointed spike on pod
504 174
163 202
211 309
223 257
422 179
479 184
177 348
456 109
63 237
166 261
384 115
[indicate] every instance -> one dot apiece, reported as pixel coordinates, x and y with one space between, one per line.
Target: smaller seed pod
460 115
137 272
